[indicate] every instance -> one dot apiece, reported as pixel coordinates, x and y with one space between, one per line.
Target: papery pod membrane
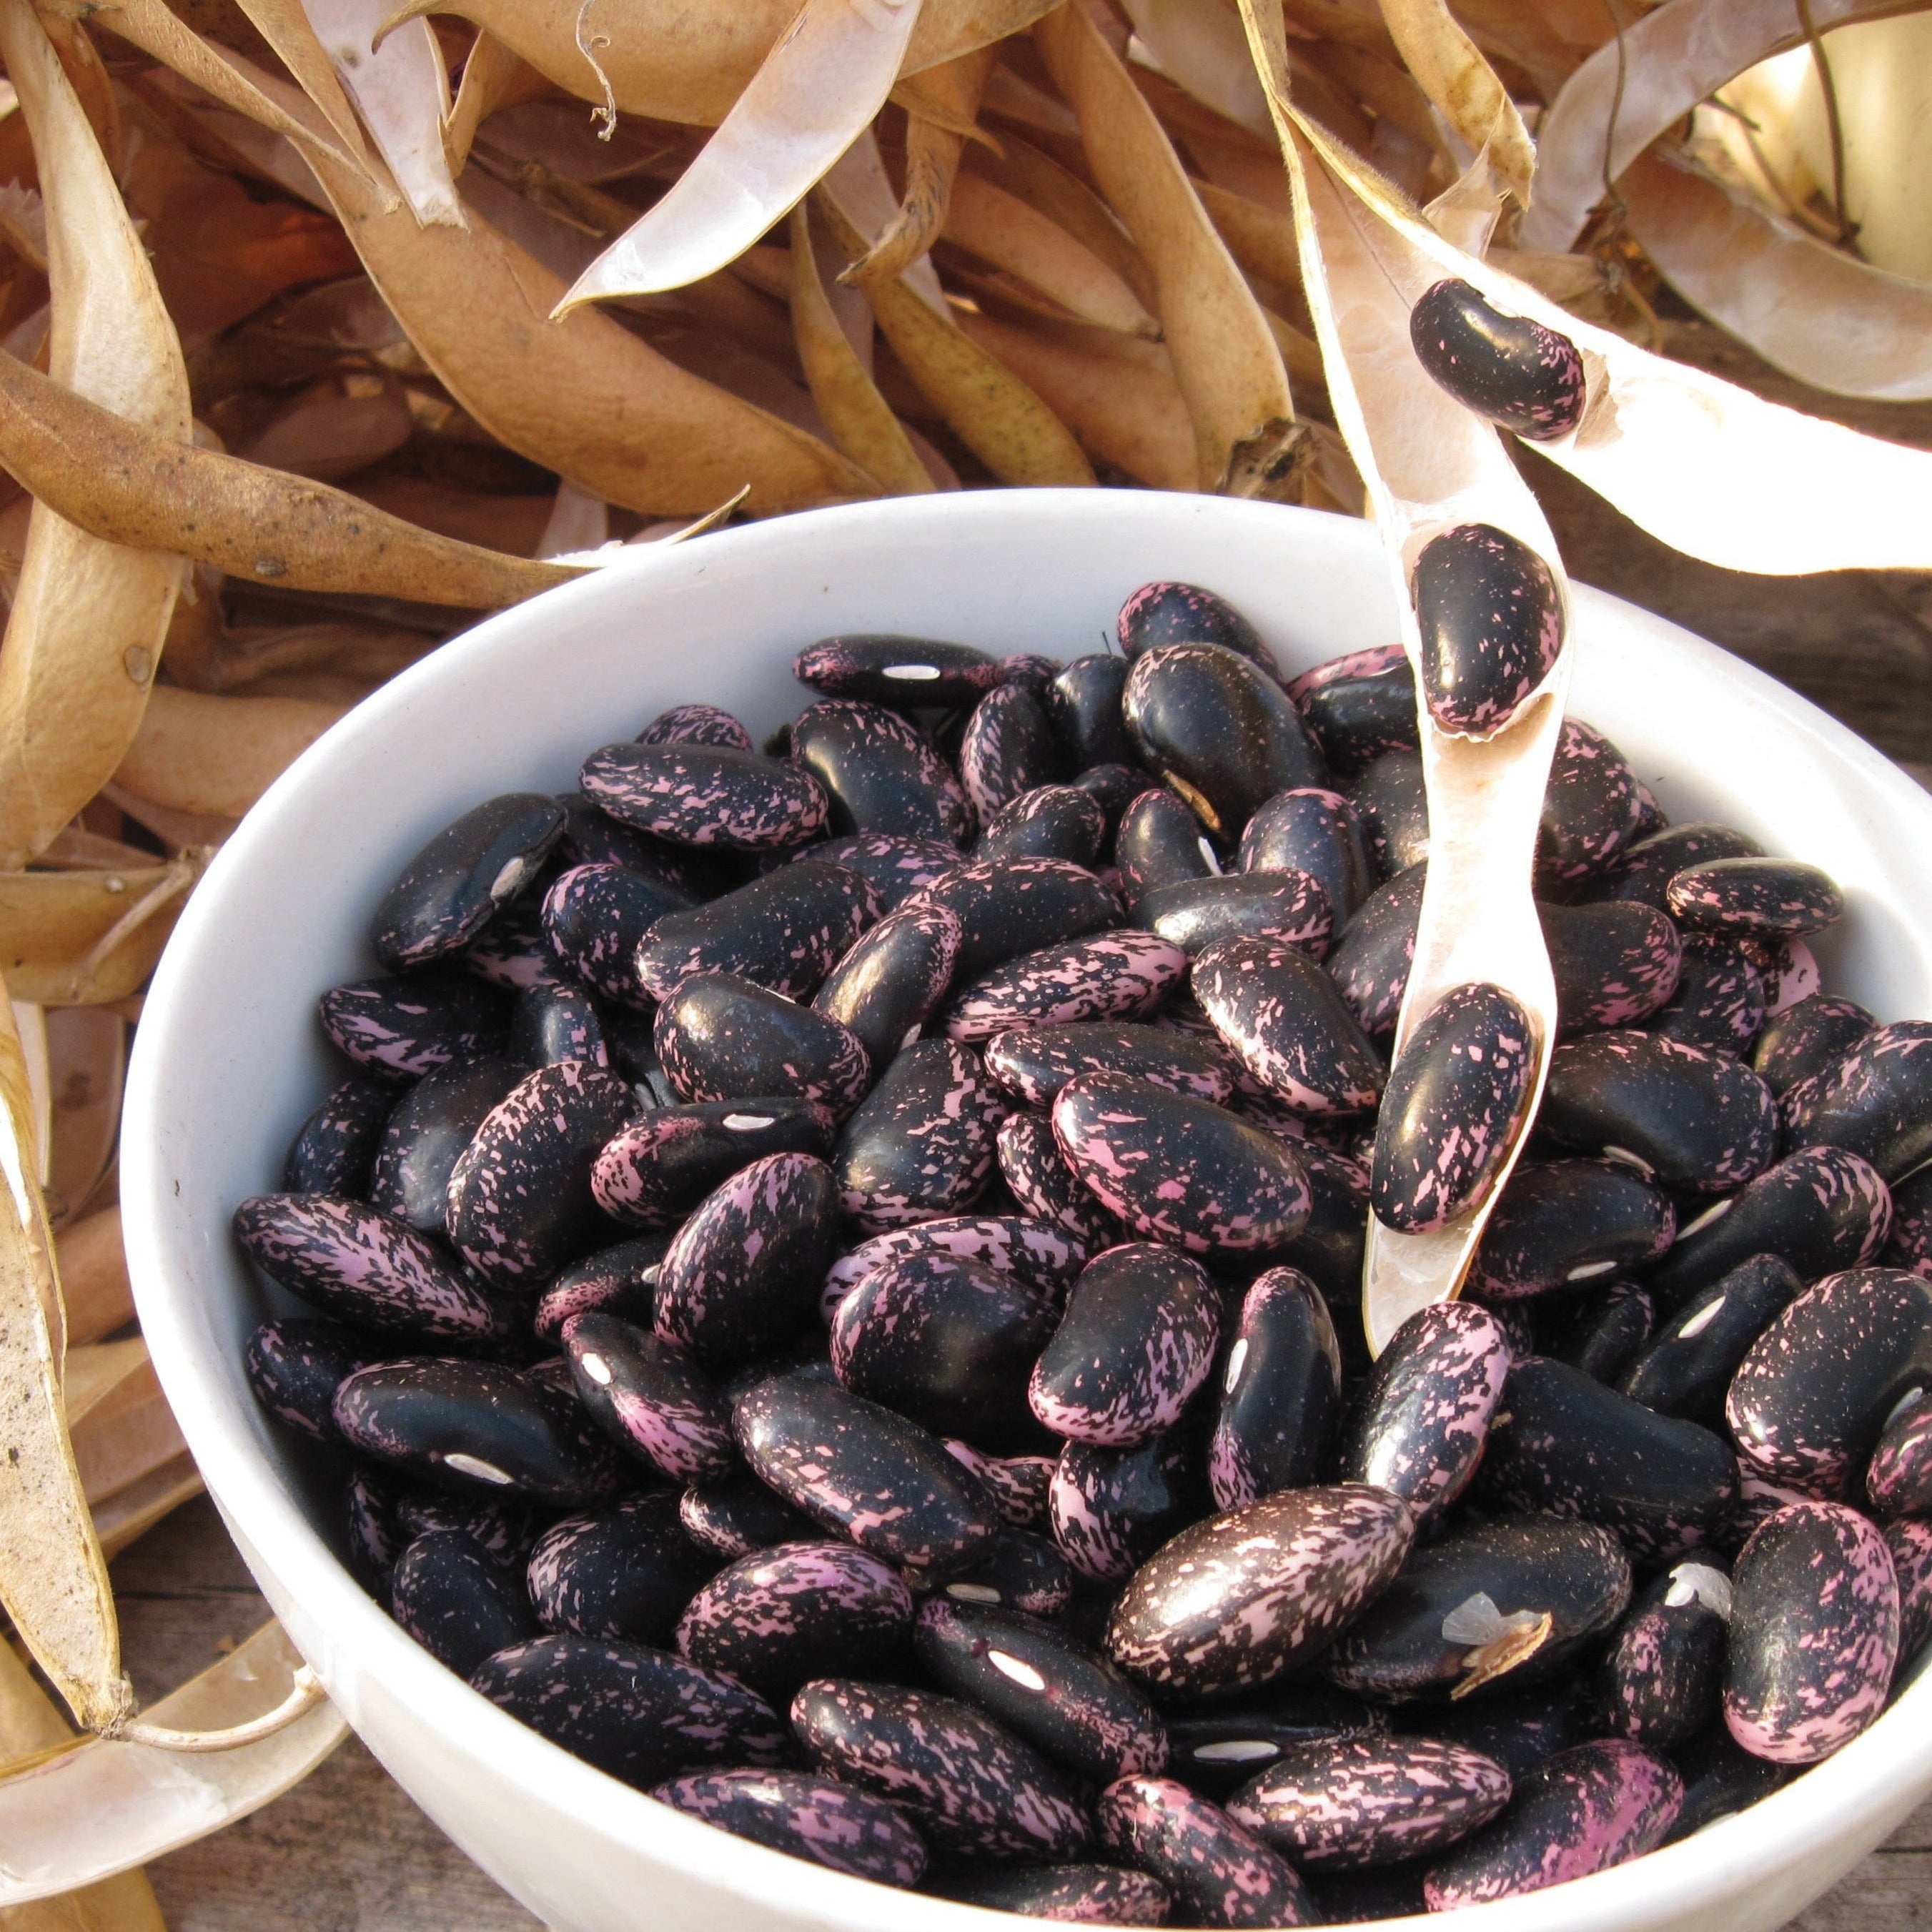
1429 464
289 28
494 77
1449 68
84 635
1203 50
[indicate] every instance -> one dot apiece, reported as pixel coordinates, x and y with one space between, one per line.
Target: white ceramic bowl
229 1059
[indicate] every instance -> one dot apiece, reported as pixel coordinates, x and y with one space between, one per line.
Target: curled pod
1341 1804
445 895
1877 1103
1049 822
946 1341
1043 1184
1571 1446
1455 1103
1241 1599
863 1471
705 795
1104 975
458 1601
1310 830
1360 705
1164 612
1219 1870
1508 1601
1008 749
1009 907
1793 1425
879 774
1289 906
1588 1809
650 1397
1370 961
595 916
1280 1395
1110 1509
1757 898
1179 1170
626 1571
741 1515
1525 378
1808 1037
1663 1676
1814 1633
973 1788
1017 1571
1034 1063
1044 1687
1289 1026
1562 1223
784 932
1220 730
778 1618
1694 1121
402 1029
920 1144
721 1039
477 1423
294 1368
639 1714
1591 809
1392 801
1614 964
1686 1370
1421 1422
1161 843
1034 1253
1490 613
1603 1332
1899 1477
1083 705
696 724
1217 1752
806 1817
1822 1209
1075 1895
333 1148
882 668
893 864
1137 1340
657 1169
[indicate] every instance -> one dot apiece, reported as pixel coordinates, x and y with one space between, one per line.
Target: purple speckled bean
346 1258
777 1618
333 1151
1286 904
808 1817
1034 1063
1877 1101
1112 1508
1371 960
511 952
402 1029
880 774
1420 1423
891 983
1812 1036
719 1038
652 1172
1042 1257
1072 1894
696 724
1490 614
1008 749
1219 1870
1281 1392
594 918
1055 821
974 1788
1522 375
1590 812
895 865
1136 1341
1909 1539
626 1571
1009 907
1899 1477
1814 1633
650 1397
294 1369
920 1146
1791 973
1560 1222
1240 1599
1584 1810
889 669
1343 1803
696 794
784 931
1662 1677
1043 1184
1165 612
1615 963
457 1600
1104 975
1767 898
1018 1485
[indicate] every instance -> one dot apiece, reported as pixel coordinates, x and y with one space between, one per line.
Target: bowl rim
269 1523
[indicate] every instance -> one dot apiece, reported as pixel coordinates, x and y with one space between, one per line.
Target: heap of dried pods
328 324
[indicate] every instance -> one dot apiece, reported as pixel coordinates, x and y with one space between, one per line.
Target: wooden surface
347 1851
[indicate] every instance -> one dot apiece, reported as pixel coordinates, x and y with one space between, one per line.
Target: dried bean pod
1221 1873
1525 378
741 1516
627 1571
1104 975
402 1029
1160 843
1043 1184
1490 615
445 895
1083 704
1590 812
1392 801
1309 829
1035 1063
294 1369
1614 964
1878 1102
1075 1894
1563 1223
886 669
1369 963
1360 705
1809 1037
784 932
1112 1508
806 1817
1164 613
595 917
705 795
332 1151
879 775
1687 1369
1760 898
921 1143
458 1601
431 1128
1663 1677
1281 1392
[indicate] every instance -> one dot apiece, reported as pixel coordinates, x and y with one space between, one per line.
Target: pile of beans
837 1285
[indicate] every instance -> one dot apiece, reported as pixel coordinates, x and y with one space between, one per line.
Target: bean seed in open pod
1563 1223
921 1143
1193 914
1877 1101
1506 1601
1392 801
1370 961
1601 1332
1899 1479
1345 1803
1179 1170
1814 1633
1588 1809
402 1029
703 795
1035 1063
1136 1341
1309 829
294 1367
1103 975
947 1342
1218 1751
639 1714
1663 1674
332 1152
650 1397
973 1788
365 1268
1566 1443
879 774
1219 729
1054 821
626 1571
1164 612
1591 809
1758 897
741 1515
457 1600
886 669
1421 1422
1281 1392
1615 963
806 1817
1359 704
738 1278
477 1423
1241 1599
784 932
864 1471
1112 1508
1034 1253
1040 1180
1525 377
1491 619
720 1038
1042 1686
1161 843
1809 1037
1075 1894
1281 1016
1696 1122
454 886
1219 1872
1794 1425
1686 1369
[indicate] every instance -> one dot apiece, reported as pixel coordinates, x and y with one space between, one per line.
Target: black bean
1491 617
1523 377
332 1152
445 895
457 1600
